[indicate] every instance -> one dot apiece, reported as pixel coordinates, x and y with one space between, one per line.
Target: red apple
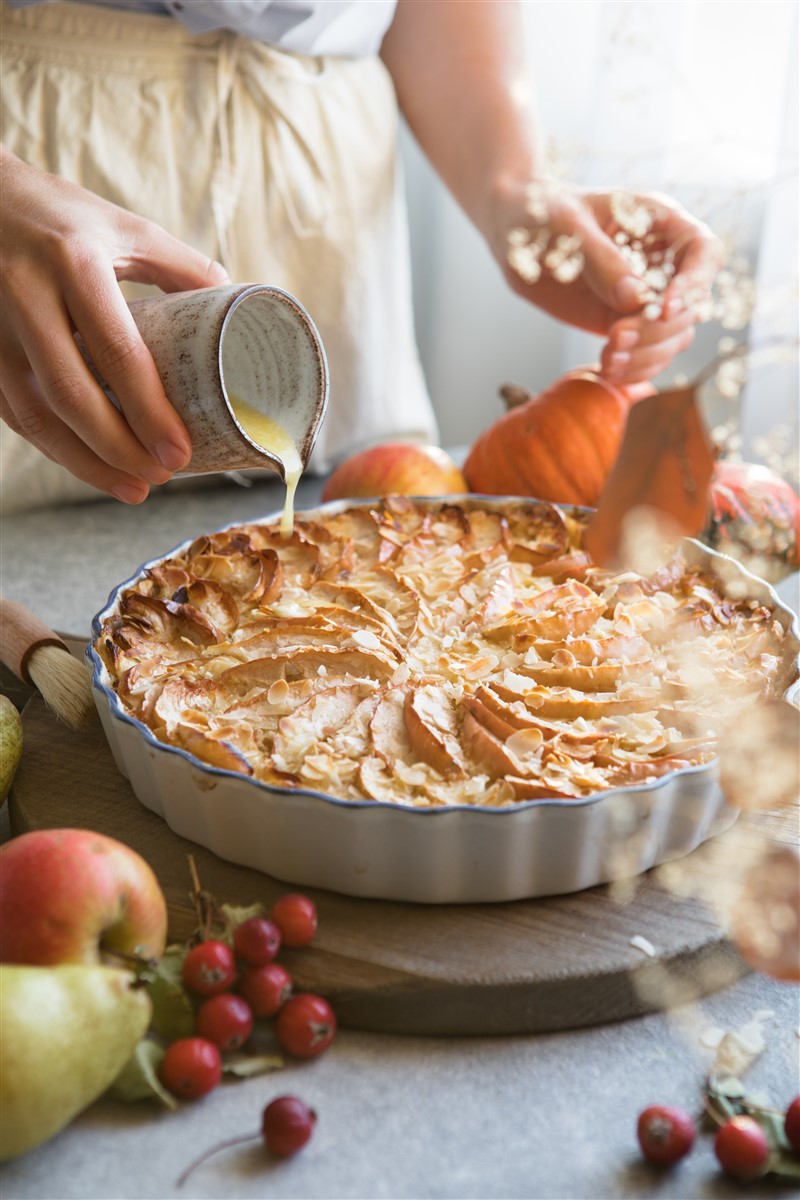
74 896
396 468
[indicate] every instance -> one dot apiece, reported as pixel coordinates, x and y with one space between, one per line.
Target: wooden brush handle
21 633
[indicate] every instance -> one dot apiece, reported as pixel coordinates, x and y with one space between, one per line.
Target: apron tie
224 185
294 165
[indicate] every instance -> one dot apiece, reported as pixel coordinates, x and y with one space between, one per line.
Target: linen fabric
346 27
281 166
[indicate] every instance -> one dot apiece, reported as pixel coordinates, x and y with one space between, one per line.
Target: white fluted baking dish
459 853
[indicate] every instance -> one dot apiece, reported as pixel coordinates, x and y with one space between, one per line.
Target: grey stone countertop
536 1116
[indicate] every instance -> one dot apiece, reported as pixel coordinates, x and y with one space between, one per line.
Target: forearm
466 91
62 252
459 70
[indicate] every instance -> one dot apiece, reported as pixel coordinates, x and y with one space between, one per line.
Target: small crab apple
742 1148
266 989
791 1124
257 941
209 968
191 1068
226 1020
666 1135
306 1025
287 1124
296 917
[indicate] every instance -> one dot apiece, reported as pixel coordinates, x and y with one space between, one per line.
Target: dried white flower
536 203
656 278
525 260
630 214
735 297
565 258
731 376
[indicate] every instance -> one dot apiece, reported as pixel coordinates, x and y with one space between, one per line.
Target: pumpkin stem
514 395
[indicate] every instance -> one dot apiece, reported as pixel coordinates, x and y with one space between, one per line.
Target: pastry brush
41 659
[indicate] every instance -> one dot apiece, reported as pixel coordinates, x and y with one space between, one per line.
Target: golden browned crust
435 654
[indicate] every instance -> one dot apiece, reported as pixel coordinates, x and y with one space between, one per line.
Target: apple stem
237 1141
131 960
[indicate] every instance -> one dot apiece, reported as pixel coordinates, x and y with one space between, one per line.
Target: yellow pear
10 744
65 1034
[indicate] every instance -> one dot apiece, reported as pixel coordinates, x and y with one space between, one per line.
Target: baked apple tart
433 654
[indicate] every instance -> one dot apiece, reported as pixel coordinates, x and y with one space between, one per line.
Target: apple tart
433 654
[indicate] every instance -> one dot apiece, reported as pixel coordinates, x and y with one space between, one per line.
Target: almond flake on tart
431 654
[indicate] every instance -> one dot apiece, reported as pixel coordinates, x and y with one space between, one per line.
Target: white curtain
697 99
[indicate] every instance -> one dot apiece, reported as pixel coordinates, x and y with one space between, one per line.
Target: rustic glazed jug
249 343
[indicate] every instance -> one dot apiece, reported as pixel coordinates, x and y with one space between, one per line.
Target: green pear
65 1034
10 744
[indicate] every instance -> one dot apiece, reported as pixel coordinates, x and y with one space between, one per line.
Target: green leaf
245 1065
728 1086
719 1105
173 1013
771 1121
170 964
784 1164
233 915
725 1098
138 1079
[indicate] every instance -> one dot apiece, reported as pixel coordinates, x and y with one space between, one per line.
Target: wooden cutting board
522 967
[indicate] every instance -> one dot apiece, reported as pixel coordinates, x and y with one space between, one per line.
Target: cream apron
282 167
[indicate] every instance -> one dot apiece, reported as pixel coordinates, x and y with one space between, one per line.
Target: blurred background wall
698 99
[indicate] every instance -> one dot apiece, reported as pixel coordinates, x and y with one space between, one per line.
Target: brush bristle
64 685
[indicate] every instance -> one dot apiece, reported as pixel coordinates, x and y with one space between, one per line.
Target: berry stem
237 1141
713 1112
205 907
196 891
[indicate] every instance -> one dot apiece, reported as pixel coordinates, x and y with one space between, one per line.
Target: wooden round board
530 966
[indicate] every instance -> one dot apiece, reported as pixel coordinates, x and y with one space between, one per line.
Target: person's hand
636 268
62 250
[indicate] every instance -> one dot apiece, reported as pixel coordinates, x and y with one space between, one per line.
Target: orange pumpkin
559 445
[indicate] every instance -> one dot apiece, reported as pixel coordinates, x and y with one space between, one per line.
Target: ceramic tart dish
437 700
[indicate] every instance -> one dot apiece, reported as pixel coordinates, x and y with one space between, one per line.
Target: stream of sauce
273 437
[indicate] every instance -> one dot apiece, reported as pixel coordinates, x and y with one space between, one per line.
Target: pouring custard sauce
273 437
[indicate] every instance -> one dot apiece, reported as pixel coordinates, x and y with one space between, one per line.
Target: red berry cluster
305 1024
666 1135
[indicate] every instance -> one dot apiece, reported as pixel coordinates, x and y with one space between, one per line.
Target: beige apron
282 167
